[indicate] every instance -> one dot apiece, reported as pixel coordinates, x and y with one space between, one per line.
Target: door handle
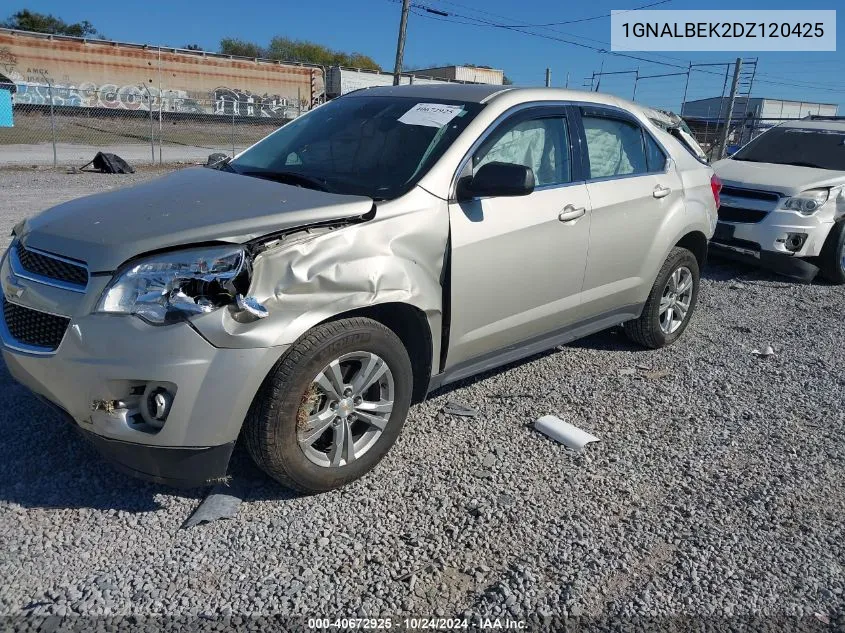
570 213
661 192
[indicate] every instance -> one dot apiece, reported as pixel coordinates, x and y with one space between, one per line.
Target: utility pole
548 77
723 141
686 87
152 135
400 45
567 80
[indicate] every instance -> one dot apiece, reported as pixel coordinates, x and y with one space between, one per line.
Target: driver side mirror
497 180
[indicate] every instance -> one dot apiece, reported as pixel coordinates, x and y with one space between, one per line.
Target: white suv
782 204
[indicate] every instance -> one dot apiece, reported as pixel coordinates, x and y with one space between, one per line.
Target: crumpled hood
786 179
185 207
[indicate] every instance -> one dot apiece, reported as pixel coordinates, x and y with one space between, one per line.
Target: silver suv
303 294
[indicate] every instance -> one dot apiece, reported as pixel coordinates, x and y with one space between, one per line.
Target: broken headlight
171 286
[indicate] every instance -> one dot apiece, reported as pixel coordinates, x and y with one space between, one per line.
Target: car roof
818 124
485 93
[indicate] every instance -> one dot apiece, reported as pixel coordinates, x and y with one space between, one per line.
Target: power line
486 23
475 21
595 17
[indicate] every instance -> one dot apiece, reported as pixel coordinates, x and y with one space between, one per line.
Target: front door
517 263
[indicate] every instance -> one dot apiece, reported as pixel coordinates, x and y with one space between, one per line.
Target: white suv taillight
716 186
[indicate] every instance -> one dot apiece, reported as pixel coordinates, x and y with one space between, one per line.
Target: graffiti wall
96 74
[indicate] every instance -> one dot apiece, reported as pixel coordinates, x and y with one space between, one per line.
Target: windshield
824 149
363 145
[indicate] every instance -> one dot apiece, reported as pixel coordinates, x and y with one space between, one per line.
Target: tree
240 48
287 49
193 47
27 20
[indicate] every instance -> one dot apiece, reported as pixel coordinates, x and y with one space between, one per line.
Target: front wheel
332 407
670 304
832 257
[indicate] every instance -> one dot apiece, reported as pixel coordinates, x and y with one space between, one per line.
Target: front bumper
107 358
772 231
766 243
177 467
751 253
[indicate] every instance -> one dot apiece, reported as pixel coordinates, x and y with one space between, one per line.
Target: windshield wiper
290 177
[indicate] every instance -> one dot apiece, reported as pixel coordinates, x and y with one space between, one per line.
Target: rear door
632 185
517 263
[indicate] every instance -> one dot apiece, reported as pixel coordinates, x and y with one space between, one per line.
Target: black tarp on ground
110 164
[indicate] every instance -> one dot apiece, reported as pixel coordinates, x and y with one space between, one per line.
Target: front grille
32 327
728 213
51 267
750 193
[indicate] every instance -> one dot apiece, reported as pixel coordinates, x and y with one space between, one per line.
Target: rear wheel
832 257
332 407
670 304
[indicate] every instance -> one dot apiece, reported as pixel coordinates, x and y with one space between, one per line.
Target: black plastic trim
541 343
781 263
177 467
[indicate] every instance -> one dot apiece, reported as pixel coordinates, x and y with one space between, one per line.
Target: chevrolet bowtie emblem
13 288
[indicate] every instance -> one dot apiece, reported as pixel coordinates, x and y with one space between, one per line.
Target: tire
647 329
832 258
290 406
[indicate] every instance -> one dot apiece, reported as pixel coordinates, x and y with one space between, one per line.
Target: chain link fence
47 128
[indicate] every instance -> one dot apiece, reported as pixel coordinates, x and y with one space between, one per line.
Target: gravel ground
717 491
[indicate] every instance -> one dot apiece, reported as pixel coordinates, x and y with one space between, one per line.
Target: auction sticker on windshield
430 114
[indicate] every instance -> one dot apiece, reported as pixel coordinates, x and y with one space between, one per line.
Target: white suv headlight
807 202
168 287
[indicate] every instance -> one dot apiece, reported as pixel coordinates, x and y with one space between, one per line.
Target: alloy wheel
345 409
675 301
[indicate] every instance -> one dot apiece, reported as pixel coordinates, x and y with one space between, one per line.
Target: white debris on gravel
767 351
561 431
707 496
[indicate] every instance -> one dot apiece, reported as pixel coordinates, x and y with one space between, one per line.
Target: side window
614 147
654 155
541 144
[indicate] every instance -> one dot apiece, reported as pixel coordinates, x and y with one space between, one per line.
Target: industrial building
751 115
340 81
470 74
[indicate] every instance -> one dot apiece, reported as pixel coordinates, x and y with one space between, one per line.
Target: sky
371 26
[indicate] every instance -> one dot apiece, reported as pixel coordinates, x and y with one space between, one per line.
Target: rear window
802 147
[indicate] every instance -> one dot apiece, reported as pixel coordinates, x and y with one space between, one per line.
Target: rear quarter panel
699 209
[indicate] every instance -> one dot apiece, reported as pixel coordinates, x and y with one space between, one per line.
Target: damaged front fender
312 275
